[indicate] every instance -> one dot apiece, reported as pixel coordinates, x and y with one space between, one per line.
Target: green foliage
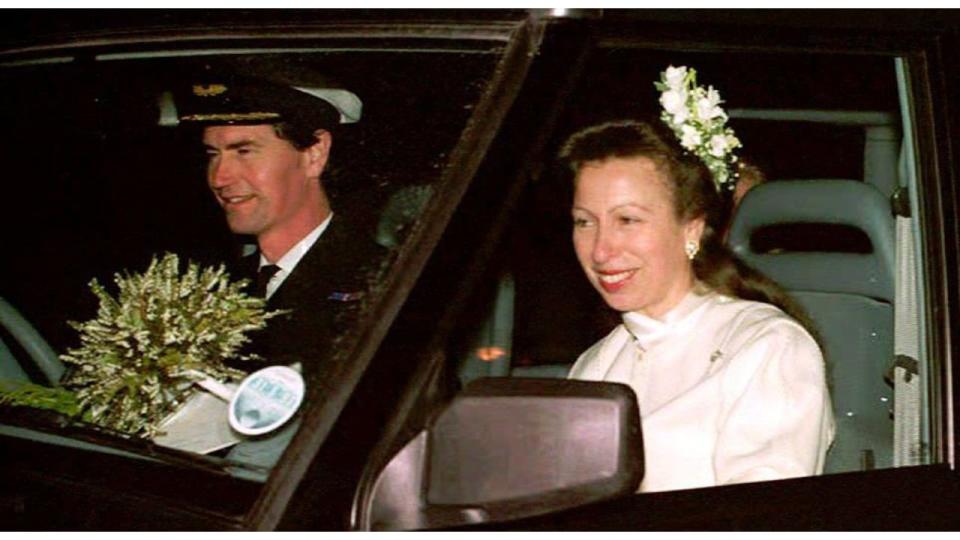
142 353
40 397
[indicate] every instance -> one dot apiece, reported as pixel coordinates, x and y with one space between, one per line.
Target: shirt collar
648 331
290 259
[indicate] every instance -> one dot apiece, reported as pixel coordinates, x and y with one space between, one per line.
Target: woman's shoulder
758 336
748 321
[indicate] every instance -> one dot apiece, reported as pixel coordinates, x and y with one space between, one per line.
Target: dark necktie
263 277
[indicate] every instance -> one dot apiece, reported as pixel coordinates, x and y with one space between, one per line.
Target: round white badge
265 400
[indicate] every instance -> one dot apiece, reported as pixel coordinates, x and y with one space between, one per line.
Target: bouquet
141 355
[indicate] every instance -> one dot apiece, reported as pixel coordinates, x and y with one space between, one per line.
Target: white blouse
729 391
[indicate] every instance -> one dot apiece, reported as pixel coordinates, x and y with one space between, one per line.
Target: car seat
490 352
849 296
38 352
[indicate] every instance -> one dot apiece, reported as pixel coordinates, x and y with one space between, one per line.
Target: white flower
722 175
674 77
690 138
732 141
698 121
674 101
719 145
708 107
681 117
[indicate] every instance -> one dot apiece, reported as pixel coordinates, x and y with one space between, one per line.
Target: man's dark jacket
324 293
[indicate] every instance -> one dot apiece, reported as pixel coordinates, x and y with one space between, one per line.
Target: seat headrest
836 202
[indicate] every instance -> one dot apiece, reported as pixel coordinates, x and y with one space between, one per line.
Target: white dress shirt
729 391
289 260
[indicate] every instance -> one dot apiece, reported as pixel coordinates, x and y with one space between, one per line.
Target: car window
843 129
104 181
802 117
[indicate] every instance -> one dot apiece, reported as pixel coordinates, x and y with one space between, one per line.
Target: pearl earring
691 248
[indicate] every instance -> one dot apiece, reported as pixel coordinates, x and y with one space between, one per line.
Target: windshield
102 180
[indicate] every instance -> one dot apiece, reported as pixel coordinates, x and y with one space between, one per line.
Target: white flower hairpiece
696 118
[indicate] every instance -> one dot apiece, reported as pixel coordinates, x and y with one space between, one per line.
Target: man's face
264 185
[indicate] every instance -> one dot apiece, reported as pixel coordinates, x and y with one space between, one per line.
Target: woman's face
627 237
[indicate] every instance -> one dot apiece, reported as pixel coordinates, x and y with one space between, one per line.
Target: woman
731 387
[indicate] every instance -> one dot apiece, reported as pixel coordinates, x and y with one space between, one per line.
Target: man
268 146
749 176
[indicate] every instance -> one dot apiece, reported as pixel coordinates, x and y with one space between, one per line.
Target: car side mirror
507 448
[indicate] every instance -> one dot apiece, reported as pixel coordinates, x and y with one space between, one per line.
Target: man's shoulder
345 257
354 242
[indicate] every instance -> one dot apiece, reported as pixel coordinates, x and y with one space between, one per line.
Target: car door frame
928 42
922 497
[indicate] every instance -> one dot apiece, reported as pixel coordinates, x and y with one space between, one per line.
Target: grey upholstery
543 371
838 202
496 334
489 354
848 295
10 369
40 353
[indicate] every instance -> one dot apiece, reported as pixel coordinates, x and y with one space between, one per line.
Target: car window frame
925 49
922 40
513 40
288 479
927 43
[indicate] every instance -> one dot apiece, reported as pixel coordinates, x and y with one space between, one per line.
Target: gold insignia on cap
230 117
208 90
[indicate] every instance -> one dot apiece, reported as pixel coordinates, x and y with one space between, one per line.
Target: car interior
843 245
844 277
838 243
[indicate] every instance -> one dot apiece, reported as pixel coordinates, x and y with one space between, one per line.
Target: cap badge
208 90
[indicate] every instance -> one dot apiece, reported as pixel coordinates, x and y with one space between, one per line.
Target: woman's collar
647 331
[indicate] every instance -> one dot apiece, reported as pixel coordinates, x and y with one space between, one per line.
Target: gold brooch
209 90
